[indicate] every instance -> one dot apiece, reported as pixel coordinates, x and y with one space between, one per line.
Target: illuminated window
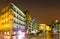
14 33
5 33
8 33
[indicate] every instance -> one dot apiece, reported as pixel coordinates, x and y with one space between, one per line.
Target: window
13 8
2 24
17 16
13 21
14 15
3 18
7 15
17 12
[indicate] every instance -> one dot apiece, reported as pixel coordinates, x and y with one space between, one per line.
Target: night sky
42 10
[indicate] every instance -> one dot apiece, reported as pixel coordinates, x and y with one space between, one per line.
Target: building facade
28 22
31 25
12 19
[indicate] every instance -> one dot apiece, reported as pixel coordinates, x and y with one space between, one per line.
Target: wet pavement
46 35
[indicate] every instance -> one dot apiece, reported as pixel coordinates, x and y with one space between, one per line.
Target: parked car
35 32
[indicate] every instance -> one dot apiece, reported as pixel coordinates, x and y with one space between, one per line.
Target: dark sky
42 10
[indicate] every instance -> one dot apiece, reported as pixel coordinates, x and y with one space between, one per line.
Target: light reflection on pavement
46 36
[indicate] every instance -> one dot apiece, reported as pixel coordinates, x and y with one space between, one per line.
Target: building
28 22
34 25
12 19
44 28
31 25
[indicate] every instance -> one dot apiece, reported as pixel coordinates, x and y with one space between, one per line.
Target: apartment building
12 19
